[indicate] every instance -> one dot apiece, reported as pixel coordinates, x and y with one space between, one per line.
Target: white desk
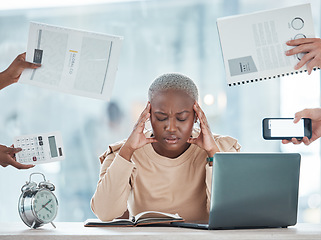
75 230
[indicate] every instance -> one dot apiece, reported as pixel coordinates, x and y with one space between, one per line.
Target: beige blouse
151 182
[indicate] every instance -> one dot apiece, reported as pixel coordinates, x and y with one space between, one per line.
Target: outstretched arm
13 72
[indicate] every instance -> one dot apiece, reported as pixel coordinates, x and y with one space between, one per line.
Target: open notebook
254 45
143 218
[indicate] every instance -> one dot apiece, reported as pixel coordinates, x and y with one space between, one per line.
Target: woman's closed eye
181 119
161 119
183 116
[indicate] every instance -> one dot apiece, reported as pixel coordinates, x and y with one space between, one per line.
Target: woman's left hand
205 139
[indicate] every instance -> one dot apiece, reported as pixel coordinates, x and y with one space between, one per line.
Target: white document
72 61
254 45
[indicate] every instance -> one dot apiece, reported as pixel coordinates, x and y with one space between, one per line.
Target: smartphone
284 128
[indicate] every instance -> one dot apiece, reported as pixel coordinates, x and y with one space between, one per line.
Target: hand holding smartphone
284 128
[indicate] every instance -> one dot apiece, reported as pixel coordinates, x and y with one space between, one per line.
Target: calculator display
53 146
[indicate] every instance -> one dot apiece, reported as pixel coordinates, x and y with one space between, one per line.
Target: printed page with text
254 45
72 61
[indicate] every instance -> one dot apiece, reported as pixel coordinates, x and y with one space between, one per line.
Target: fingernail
288 42
287 52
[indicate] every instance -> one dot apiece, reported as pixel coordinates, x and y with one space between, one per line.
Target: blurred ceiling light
209 99
314 201
221 100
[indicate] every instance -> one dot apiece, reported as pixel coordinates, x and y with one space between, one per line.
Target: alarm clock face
45 205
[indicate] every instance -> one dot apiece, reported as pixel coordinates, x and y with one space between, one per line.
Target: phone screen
286 128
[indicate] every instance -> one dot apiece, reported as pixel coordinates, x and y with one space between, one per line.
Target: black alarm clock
37 203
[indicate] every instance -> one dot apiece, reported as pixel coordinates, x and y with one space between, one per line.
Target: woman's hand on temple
137 138
205 140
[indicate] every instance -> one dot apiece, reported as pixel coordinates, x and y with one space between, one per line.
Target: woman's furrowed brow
179 113
158 112
185 111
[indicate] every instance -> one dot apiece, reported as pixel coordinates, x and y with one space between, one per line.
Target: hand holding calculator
39 148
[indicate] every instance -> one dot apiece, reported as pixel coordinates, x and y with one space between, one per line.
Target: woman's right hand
137 138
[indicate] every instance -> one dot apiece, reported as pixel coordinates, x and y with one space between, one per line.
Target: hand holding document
73 61
254 45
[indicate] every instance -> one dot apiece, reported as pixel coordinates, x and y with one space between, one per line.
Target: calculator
39 148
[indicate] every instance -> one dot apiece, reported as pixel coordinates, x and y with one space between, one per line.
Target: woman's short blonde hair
173 81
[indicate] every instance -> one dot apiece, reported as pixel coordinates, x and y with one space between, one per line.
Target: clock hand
47 209
43 206
47 203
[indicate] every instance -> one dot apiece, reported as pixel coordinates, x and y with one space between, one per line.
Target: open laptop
253 190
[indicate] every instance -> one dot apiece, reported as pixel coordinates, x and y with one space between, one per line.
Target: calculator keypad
32 149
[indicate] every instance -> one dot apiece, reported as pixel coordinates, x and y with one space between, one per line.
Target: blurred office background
159 36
